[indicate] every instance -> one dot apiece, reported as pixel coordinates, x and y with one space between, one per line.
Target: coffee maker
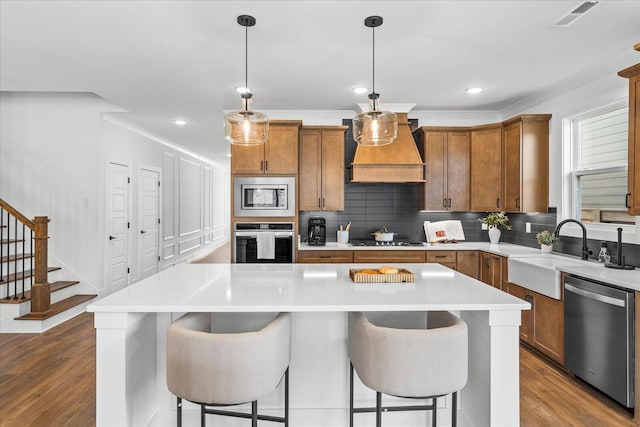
317 232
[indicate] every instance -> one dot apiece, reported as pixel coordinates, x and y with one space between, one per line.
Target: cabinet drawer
441 256
315 257
388 256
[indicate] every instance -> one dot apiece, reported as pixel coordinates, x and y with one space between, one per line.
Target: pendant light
246 127
375 127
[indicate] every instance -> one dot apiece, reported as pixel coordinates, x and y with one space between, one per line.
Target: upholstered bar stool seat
222 369
418 355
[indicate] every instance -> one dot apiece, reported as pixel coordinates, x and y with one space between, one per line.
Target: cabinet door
633 171
491 269
486 169
247 159
281 150
512 181
332 170
332 257
435 153
458 147
468 262
309 198
548 326
525 324
388 256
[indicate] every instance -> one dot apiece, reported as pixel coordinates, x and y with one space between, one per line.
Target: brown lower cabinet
542 327
331 257
387 257
492 269
468 262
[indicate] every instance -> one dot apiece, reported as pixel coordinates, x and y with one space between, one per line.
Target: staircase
28 301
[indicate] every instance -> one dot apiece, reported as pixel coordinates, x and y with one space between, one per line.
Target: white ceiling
162 60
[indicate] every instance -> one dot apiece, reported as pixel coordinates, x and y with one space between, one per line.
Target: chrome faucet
585 249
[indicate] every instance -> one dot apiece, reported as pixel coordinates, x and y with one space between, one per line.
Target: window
600 165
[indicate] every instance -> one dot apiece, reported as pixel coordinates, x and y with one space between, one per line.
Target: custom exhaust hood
397 162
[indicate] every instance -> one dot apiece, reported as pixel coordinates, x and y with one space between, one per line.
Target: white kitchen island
131 339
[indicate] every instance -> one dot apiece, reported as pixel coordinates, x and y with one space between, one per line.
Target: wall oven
264 196
259 242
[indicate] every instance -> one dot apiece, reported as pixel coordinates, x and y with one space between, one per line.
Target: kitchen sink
539 273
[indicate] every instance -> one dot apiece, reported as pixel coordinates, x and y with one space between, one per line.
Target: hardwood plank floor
48 379
221 255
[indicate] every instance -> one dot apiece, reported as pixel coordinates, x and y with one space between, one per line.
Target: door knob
111 238
142 231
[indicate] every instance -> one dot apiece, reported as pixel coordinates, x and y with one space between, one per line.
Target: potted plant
495 221
545 239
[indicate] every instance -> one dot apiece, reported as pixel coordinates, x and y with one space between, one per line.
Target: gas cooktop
393 243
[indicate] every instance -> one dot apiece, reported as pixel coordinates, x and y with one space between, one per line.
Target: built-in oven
264 196
259 242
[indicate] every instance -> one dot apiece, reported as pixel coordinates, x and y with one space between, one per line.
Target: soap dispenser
604 256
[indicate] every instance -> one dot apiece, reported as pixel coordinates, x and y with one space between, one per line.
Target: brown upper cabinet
526 163
321 174
486 168
446 154
277 156
633 172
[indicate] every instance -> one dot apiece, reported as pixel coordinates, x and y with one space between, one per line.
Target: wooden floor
48 379
221 255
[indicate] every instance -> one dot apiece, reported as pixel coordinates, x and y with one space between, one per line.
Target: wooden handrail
13 211
40 288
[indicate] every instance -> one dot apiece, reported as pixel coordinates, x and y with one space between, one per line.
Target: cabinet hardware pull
111 238
323 202
441 256
498 202
325 256
319 202
518 202
444 202
142 231
449 202
266 165
261 165
626 200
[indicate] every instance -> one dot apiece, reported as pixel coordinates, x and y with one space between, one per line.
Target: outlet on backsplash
484 226
527 227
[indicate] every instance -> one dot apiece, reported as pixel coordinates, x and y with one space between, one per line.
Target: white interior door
148 209
117 227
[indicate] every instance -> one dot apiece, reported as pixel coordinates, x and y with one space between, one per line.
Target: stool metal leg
286 398
378 409
203 415
434 413
350 394
454 409
254 413
179 412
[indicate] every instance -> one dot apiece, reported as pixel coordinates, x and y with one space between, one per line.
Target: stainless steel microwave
264 196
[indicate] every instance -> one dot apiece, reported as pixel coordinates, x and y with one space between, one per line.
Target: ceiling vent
576 13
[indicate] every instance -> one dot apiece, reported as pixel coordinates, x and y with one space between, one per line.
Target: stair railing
12 221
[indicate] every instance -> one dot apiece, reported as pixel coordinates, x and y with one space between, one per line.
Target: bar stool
423 359
224 369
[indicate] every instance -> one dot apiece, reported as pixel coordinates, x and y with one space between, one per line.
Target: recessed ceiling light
180 122
243 89
360 89
474 90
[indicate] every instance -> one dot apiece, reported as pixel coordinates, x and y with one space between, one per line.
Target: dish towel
266 243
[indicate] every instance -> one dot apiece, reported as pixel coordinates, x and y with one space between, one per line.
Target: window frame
599 230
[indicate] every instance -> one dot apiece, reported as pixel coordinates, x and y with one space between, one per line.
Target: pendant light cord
246 66
373 67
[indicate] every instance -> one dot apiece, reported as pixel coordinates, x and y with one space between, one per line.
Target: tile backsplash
370 207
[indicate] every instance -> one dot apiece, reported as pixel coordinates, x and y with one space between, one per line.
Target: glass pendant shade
375 128
246 127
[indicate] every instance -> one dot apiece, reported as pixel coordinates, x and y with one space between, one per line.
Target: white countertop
302 288
504 249
629 279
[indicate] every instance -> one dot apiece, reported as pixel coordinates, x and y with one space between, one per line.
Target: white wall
54 150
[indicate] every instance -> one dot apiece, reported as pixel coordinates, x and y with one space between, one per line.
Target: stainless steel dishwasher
599 336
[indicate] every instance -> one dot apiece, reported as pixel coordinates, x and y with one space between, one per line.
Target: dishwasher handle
594 296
